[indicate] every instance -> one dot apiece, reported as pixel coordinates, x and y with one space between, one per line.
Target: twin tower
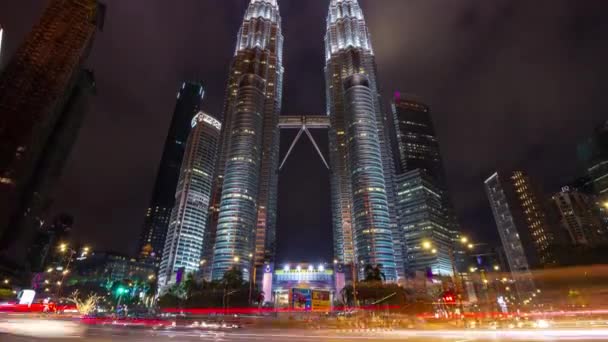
241 230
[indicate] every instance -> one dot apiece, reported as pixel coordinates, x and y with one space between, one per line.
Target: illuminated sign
301 299
321 300
208 119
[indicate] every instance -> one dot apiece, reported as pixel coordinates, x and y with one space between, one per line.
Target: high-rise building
373 237
154 233
578 217
424 222
594 154
521 214
348 51
417 143
243 212
185 236
40 105
505 193
419 162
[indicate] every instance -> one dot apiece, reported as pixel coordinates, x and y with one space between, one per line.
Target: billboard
321 300
301 299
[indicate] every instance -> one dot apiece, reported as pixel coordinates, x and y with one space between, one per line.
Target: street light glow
237 259
464 239
470 246
426 245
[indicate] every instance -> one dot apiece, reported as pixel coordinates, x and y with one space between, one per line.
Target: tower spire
346 27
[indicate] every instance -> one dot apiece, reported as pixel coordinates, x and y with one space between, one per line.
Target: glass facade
418 146
506 221
372 235
243 212
156 223
424 223
349 52
578 217
185 237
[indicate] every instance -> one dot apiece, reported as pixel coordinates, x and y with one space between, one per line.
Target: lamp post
456 279
252 274
63 248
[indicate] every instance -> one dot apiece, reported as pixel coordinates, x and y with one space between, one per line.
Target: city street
30 329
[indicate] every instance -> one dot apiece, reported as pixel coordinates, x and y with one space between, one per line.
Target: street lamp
426 245
496 268
6 281
236 259
464 239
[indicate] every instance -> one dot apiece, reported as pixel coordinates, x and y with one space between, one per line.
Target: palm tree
233 278
374 273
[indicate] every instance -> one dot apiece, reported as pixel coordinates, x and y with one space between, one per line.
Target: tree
233 278
84 306
374 273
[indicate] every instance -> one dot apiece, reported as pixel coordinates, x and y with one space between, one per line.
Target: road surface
29 330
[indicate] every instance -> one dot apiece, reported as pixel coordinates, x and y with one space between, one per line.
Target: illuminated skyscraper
243 212
358 238
40 110
425 223
418 146
420 185
521 219
187 228
154 233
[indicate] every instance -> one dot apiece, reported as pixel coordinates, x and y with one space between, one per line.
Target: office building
594 155
243 211
154 232
578 217
521 223
521 214
348 51
418 159
185 237
424 222
41 104
417 143
372 232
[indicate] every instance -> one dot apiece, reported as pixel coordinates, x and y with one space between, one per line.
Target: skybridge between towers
304 123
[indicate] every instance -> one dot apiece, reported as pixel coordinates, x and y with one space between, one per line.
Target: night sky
510 83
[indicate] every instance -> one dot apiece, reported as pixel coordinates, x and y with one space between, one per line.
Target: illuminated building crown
346 28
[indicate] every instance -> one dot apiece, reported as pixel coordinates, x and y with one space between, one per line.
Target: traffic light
449 297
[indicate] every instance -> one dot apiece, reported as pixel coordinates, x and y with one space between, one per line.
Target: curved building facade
372 233
188 222
243 213
349 52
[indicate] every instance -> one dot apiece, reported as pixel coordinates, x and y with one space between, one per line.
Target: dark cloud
511 84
